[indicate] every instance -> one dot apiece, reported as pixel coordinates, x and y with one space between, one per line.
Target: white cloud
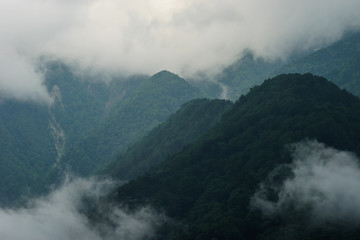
324 180
18 78
59 217
183 36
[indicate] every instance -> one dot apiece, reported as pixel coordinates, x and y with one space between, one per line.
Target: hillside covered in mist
89 123
192 120
263 171
337 62
154 120
93 121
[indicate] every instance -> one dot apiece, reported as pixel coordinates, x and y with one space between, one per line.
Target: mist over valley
179 120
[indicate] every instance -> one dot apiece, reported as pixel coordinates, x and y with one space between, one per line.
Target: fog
146 36
61 216
323 180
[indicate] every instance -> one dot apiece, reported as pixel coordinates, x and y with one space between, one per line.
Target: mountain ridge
181 128
339 63
155 99
208 185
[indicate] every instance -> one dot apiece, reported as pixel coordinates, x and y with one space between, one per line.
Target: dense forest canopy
205 120
182 128
208 186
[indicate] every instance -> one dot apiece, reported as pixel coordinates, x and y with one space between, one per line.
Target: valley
186 159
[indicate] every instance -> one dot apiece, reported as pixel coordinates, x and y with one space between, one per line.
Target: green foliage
339 63
246 73
80 105
237 78
27 149
28 154
94 121
182 128
208 185
150 104
84 103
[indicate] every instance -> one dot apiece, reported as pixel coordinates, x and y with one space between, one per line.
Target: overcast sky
146 36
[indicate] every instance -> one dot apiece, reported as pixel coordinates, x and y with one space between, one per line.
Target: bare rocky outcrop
56 131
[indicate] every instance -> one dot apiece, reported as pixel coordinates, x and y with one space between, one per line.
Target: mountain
207 187
83 103
339 63
89 123
182 128
34 137
27 148
245 73
237 78
150 104
73 96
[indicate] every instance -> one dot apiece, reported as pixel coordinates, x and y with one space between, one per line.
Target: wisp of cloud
146 36
59 216
324 180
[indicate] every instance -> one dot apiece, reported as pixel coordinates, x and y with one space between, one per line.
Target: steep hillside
237 78
207 187
35 137
244 74
27 148
182 128
83 103
150 104
339 63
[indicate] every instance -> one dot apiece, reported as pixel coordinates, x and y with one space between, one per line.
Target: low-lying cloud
60 216
18 78
323 181
146 36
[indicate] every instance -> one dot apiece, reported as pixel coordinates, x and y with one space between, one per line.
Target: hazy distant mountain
35 137
83 103
150 104
91 121
27 148
245 73
237 78
182 128
208 186
339 63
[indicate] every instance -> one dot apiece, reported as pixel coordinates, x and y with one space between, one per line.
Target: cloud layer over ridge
61 216
324 181
146 36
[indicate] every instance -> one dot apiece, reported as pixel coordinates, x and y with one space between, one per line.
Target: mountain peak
298 85
165 73
216 176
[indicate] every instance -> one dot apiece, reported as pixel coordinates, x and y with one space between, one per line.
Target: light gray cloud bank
59 217
324 180
146 36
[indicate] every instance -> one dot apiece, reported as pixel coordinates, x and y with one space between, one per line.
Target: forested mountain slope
339 63
245 73
83 103
208 186
27 149
36 136
237 78
182 128
89 123
150 104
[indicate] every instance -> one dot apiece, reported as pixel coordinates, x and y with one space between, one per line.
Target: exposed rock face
56 131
